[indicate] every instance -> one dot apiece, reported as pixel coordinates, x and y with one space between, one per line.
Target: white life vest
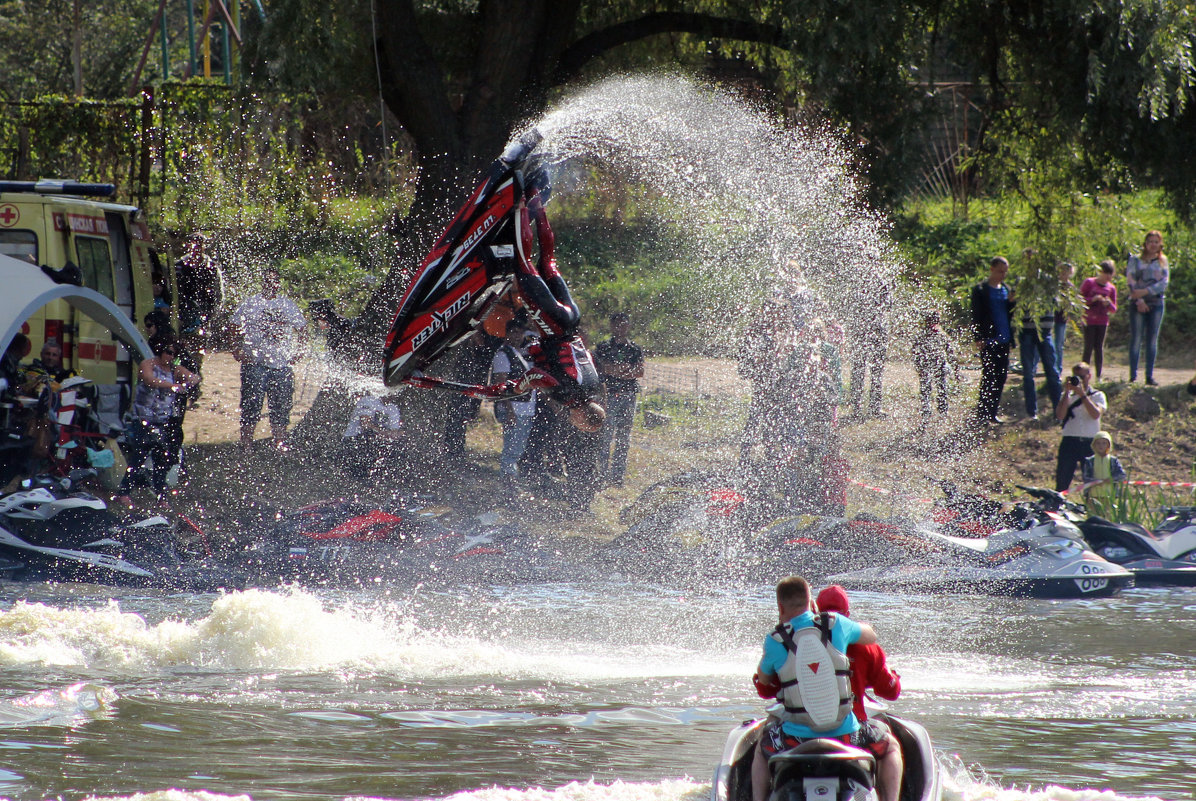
816 677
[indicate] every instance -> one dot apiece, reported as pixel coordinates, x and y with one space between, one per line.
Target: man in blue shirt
793 608
992 309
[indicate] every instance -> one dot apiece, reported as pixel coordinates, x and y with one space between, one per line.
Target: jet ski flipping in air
487 251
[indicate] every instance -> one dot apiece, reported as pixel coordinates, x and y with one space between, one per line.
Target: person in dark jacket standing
992 307
621 364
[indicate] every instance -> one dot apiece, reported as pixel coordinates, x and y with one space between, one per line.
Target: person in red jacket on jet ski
870 671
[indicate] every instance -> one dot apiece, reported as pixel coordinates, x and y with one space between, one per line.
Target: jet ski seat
821 757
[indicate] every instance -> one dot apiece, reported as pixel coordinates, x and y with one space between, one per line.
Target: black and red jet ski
343 542
499 243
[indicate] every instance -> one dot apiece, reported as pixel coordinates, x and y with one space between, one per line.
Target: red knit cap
834 599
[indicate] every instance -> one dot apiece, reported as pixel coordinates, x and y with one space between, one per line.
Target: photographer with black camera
374 442
1079 410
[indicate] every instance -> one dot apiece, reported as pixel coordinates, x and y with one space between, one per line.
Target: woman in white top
161 384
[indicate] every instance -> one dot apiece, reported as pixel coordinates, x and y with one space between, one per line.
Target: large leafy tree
1102 84
459 75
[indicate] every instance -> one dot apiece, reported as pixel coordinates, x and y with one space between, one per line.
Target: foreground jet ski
1040 554
827 770
49 532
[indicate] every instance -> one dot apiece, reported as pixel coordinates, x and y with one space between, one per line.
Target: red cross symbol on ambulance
9 215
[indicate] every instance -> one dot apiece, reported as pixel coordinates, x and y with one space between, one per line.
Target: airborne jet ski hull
470 266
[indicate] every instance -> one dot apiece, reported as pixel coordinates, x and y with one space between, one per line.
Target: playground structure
219 19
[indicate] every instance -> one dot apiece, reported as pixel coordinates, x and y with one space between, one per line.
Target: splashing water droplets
752 196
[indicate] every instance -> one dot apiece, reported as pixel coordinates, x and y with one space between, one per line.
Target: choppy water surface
611 691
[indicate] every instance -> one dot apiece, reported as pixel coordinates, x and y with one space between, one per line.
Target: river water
612 691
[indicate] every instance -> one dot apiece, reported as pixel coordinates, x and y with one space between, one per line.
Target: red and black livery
500 240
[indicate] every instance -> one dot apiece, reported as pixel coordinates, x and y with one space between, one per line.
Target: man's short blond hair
793 591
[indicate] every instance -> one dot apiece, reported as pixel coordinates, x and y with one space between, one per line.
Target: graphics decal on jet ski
827 770
471 265
500 244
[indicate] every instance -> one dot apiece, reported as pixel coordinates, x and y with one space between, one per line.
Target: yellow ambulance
56 223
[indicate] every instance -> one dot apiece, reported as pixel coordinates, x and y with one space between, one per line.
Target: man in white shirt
515 415
273 333
1080 410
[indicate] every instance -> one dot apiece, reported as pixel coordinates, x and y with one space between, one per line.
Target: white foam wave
684 789
295 630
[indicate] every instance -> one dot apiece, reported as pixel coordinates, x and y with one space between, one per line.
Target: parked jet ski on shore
342 542
703 524
827 770
50 531
1166 555
1039 553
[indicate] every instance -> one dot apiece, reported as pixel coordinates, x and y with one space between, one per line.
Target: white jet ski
827 770
1041 556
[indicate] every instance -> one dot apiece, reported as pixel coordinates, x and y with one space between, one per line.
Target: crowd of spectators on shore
792 356
1079 406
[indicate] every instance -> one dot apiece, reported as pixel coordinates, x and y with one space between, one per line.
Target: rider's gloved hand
766 687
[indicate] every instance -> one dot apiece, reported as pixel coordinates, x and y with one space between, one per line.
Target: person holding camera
374 440
1079 410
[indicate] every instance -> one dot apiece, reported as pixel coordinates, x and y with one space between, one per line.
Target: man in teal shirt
793 607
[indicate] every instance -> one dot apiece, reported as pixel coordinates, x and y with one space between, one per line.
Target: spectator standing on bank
1102 471
1035 344
471 366
757 364
934 362
161 385
1067 291
1146 275
201 291
869 342
162 297
1080 412
272 333
157 323
1100 296
515 415
992 307
620 363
